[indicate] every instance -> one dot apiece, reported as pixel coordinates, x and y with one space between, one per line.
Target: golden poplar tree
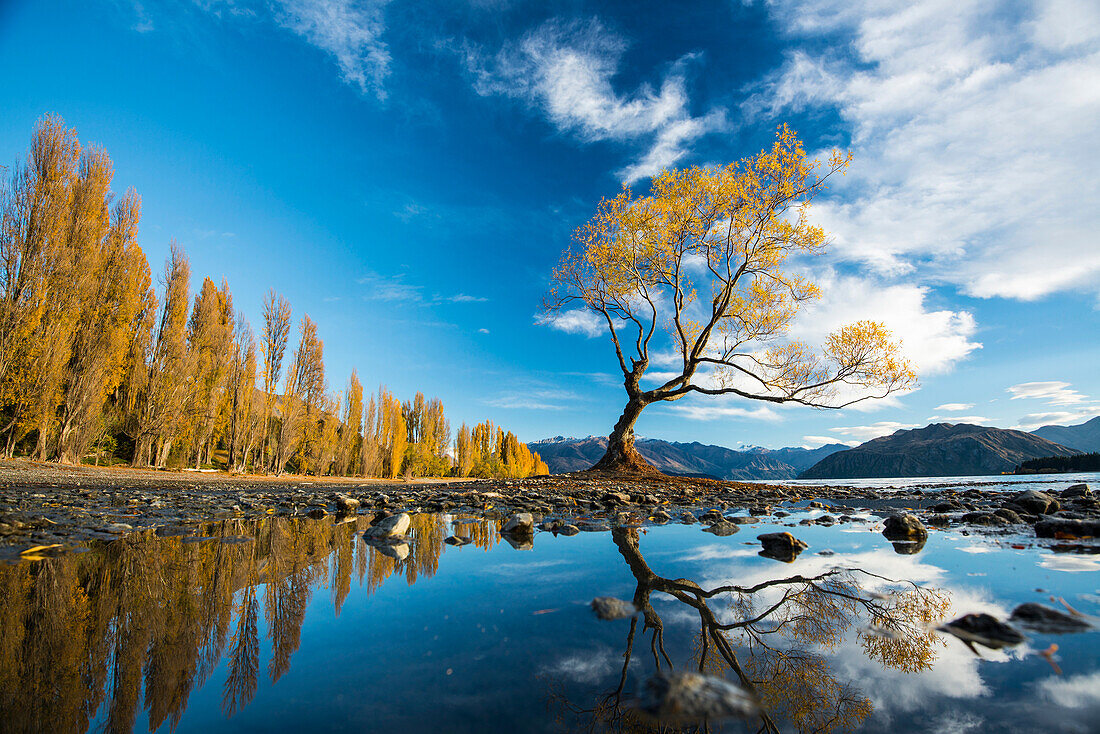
164 383
273 347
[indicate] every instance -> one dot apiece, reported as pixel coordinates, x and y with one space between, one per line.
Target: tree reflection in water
145 620
771 638
147 616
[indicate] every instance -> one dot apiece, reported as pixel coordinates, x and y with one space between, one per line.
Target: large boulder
389 527
1062 527
1034 503
781 546
1077 491
521 523
904 526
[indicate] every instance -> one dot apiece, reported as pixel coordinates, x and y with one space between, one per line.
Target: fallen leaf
37 548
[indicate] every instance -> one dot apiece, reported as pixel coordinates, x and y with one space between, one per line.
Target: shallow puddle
299 625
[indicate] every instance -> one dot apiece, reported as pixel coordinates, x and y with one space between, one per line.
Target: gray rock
983 629
608 608
904 526
520 524
388 527
1042 619
781 546
569 530
722 529
1036 503
1053 527
458 540
119 527
1009 515
317 513
984 518
1077 490
674 698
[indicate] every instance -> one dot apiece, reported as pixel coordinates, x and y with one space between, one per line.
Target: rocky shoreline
45 504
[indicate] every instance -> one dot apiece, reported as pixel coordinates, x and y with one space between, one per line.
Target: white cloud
348 30
874 430
978 419
575 321
974 136
1055 393
954 407
566 70
1031 421
718 411
482 331
813 442
933 341
1076 691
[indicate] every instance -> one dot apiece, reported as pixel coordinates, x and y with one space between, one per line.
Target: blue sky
408 174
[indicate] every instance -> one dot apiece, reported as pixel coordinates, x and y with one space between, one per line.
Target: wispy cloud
389 288
704 412
482 331
575 321
350 31
1054 393
954 407
533 399
873 430
566 71
461 298
976 419
1057 418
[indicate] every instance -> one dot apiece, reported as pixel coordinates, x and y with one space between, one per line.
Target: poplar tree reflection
145 620
771 637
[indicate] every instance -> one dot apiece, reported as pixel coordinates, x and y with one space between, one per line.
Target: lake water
998 482
287 625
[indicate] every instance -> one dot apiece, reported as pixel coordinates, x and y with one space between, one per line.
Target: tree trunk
621 456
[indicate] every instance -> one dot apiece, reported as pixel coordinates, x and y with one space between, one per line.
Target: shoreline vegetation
97 364
1060 464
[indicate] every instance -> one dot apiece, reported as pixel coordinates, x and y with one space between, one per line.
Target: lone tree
700 264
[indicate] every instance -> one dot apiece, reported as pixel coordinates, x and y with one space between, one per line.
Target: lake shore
43 504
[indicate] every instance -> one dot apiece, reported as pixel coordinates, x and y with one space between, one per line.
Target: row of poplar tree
91 360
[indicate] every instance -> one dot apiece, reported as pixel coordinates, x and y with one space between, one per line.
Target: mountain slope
937 450
1083 437
694 459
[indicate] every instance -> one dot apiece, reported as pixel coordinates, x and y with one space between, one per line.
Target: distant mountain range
687 459
1083 437
940 449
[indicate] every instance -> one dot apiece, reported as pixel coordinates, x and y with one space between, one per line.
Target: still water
283 624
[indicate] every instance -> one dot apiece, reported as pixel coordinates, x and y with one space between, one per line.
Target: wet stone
1045 620
609 608
685 697
904 526
985 630
781 546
